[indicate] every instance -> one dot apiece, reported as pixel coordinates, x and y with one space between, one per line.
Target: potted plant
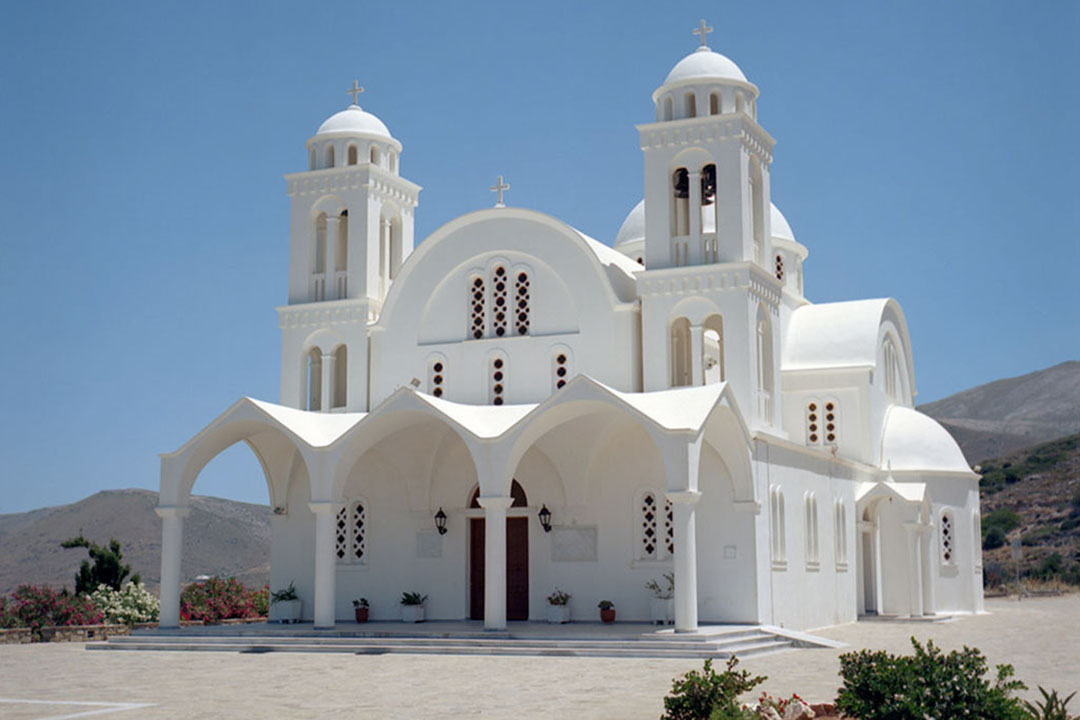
558 609
360 609
607 611
287 604
662 607
412 607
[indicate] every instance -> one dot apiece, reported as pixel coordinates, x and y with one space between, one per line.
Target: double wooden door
517 568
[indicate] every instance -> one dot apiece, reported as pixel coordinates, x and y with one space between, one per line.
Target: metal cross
355 90
498 187
702 30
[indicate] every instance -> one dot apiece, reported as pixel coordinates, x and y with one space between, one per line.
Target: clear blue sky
926 150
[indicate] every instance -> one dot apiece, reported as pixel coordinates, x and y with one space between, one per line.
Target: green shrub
1037 537
1051 708
993 538
133 604
708 695
1002 518
108 566
1052 566
928 684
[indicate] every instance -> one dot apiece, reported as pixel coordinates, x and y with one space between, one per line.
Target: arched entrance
517 558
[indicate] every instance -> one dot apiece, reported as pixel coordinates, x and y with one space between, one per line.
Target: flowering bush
133 604
220 599
37 607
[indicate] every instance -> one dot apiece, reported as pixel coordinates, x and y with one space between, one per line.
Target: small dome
633 227
355 121
704 64
913 441
779 224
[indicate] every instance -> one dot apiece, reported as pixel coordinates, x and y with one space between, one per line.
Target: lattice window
813 425
436 376
947 538
497 386
780 267
669 528
560 369
832 422
477 302
498 301
822 423
522 300
341 535
649 518
359 533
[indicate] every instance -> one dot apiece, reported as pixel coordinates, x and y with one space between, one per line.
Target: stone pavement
1040 637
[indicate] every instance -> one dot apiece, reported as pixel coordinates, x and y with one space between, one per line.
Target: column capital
747 505
683 497
495 502
180 511
321 507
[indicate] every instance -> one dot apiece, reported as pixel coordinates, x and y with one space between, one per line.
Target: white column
326 399
685 560
495 560
332 231
697 355
695 217
325 566
172 538
914 569
865 551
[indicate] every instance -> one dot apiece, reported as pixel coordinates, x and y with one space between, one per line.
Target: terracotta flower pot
361 614
608 616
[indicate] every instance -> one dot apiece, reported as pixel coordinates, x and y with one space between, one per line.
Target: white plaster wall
958 586
292 544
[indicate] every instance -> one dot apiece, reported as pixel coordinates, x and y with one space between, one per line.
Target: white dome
913 441
633 227
704 64
779 224
355 121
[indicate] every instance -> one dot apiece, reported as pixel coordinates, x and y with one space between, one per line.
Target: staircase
720 643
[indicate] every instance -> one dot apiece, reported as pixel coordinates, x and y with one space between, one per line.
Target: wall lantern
545 519
440 522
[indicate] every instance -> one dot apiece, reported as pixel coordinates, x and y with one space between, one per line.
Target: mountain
221 537
1004 416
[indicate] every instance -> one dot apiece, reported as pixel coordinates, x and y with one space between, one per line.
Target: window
890 360
341 375
822 422
352 154
712 341
436 376
680 353
329 156
318 260
522 295
779 267
667 108
374 156
812 549
393 163
947 541
313 373
714 103
757 209
350 534
777 526
656 539
680 217
311 159
691 105
498 301
497 385
841 535
341 256
560 369
477 301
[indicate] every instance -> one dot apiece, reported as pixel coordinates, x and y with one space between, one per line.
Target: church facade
512 407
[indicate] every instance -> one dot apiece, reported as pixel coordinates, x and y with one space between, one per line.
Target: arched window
341 257
680 353
764 366
894 384
948 549
393 163
691 105
314 379
373 157
757 210
350 534
680 218
713 349
436 376
318 260
667 108
777 525
840 528
353 159
341 375
498 379
523 309
811 528
477 301
498 300
714 103
311 159
329 156
560 369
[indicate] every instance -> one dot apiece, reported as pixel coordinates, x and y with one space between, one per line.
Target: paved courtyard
1039 637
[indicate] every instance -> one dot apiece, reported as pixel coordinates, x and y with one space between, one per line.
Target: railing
342 277
685 252
318 287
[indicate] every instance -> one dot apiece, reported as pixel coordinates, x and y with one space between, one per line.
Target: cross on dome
355 91
499 187
702 30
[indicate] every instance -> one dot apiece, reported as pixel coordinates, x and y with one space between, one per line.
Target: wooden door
476 568
517 568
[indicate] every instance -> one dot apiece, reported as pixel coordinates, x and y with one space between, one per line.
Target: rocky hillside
221 537
1033 495
1001 417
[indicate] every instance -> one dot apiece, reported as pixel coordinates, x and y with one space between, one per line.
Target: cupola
351 137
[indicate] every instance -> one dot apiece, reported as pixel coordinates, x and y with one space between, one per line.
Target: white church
512 406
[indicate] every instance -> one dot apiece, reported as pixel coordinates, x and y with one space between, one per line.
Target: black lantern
545 519
440 522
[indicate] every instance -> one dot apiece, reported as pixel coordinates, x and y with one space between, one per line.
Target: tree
108 567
